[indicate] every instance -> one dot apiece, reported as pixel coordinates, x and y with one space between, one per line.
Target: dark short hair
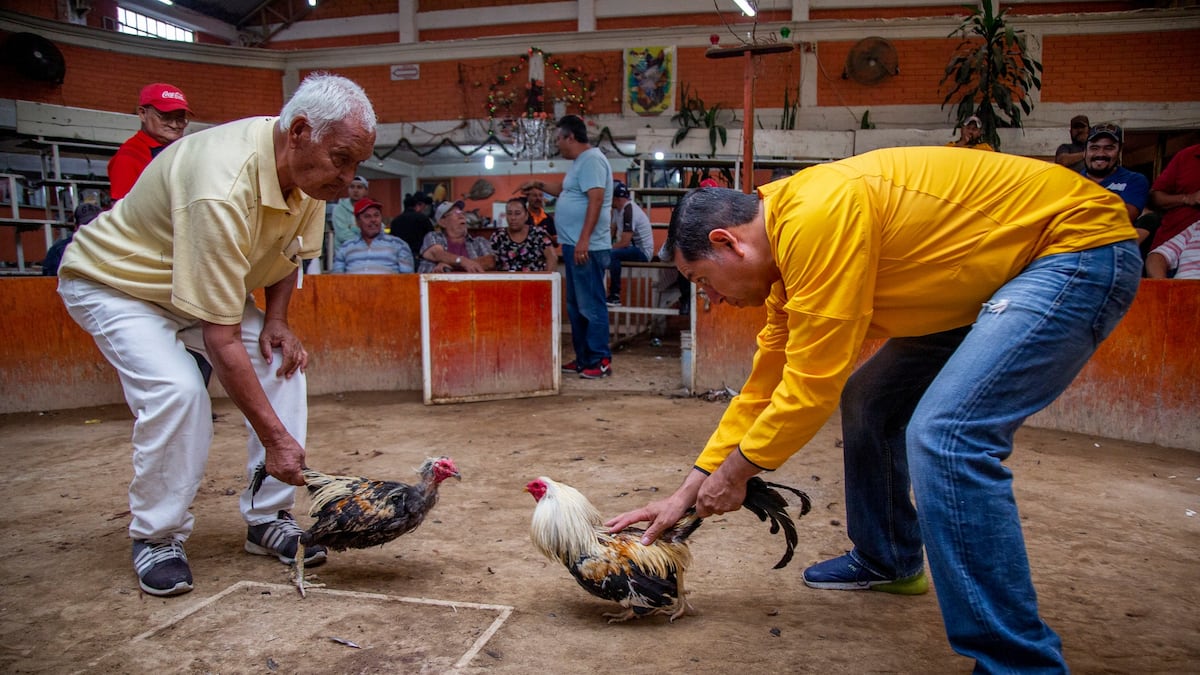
518 200
700 212
574 125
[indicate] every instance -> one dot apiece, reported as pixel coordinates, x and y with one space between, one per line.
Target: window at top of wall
140 24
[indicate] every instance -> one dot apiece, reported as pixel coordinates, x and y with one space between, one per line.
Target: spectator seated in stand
452 248
163 112
84 214
1176 194
521 246
1070 154
633 239
1102 164
535 203
1180 254
372 251
971 136
345 227
414 222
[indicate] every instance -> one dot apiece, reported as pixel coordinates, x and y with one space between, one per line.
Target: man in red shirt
164 113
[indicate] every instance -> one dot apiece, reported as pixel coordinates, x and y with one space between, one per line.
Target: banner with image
649 80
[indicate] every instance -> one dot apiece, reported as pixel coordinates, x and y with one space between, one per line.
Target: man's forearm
279 296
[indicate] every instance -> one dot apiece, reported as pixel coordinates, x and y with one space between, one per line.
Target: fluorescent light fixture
312 3
167 2
659 155
746 7
489 162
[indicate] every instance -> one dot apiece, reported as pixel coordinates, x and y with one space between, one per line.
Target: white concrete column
407 11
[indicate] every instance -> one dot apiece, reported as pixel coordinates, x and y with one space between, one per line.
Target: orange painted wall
363 333
1143 384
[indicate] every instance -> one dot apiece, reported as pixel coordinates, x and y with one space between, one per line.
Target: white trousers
173 428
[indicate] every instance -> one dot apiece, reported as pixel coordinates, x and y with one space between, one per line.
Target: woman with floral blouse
521 247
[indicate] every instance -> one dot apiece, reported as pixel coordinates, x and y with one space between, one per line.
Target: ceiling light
659 155
746 7
489 162
312 3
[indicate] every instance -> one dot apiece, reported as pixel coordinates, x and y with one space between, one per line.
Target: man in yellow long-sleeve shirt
995 278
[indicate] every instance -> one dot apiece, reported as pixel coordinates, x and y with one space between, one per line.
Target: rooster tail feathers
765 502
805 502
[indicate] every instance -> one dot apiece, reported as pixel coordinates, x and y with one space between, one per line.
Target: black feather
260 475
766 503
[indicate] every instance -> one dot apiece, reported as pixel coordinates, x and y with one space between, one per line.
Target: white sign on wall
406 71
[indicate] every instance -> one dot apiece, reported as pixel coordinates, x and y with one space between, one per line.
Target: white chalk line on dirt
505 611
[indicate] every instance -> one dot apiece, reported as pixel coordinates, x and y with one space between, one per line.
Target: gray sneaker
279 538
162 567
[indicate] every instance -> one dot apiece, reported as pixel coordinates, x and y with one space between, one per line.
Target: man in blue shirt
372 252
1102 164
582 215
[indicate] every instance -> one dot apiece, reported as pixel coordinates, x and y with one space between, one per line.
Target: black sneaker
161 567
571 367
280 538
613 301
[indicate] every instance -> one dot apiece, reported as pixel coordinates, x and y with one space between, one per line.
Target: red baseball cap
364 204
164 97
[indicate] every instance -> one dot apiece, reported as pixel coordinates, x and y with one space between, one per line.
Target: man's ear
720 237
296 130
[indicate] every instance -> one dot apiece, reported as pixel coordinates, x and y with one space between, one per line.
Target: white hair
323 99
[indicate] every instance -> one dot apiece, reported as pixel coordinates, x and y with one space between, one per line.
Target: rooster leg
299 571
618 617
684 606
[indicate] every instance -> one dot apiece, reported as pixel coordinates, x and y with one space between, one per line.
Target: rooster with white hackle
644 580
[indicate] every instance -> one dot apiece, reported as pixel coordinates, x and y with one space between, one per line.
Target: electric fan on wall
871 61
35 57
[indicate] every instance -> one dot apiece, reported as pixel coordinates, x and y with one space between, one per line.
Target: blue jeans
585 305
942 409
620 255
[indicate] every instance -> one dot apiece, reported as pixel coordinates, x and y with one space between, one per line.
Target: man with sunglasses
164 113
1070 154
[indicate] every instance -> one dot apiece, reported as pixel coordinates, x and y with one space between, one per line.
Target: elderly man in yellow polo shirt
219 214
994 277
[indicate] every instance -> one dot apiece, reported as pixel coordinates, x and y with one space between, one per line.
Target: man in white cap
164 113
972 136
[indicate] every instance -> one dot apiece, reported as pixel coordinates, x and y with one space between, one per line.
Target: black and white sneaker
280 538
162 567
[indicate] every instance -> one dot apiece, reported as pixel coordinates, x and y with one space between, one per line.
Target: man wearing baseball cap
164 113
1102 164
373 251
972 136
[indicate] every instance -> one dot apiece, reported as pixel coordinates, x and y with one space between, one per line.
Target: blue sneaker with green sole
845 573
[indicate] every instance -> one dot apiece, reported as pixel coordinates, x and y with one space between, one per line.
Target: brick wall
1134 67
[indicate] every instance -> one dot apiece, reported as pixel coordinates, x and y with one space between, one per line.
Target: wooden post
748 52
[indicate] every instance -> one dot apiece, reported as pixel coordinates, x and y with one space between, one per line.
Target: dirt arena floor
1112 528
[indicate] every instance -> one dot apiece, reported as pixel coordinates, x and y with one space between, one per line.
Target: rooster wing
645 580
354 512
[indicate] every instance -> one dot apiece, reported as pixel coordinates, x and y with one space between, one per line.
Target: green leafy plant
991 74
693 114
